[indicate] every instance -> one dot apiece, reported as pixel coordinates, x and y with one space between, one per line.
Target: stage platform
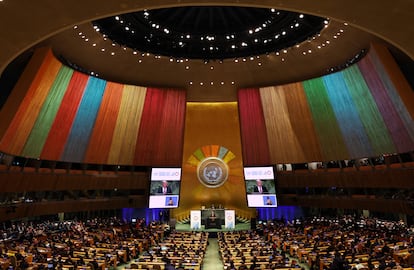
186 227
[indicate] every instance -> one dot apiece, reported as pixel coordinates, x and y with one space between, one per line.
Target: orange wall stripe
102 134
283 141
31 71
16 135
127 125
301 120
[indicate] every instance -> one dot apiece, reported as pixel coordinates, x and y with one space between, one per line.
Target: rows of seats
345 243
75 245
181 249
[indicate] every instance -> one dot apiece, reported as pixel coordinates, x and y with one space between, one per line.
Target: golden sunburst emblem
211 162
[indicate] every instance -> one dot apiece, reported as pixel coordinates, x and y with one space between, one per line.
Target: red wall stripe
253 128
56 140
160 136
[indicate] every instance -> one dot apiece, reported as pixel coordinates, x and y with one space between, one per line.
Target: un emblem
212 172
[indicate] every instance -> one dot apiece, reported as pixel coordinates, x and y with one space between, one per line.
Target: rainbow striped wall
69 116
362 111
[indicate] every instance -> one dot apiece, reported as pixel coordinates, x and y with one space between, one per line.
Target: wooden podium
212 218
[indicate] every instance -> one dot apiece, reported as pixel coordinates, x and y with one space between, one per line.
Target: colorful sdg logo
211 162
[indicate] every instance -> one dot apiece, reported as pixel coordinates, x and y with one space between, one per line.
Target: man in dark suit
164 188
259 188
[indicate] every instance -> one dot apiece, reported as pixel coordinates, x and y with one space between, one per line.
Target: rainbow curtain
361 111
69 116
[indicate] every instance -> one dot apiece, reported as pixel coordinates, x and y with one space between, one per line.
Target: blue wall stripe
347 116
81 130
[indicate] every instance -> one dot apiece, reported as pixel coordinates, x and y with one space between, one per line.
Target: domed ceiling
210 51
210 32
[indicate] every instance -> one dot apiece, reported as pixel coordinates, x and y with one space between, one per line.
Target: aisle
212 258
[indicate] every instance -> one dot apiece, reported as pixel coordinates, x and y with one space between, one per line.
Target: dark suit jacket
256 189
159 191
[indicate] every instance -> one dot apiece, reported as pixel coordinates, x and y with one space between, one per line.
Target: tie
260 189
164 190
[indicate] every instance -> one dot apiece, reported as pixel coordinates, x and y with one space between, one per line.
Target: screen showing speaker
164 187
260 186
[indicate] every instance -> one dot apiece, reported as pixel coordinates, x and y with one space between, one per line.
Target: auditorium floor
211 259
